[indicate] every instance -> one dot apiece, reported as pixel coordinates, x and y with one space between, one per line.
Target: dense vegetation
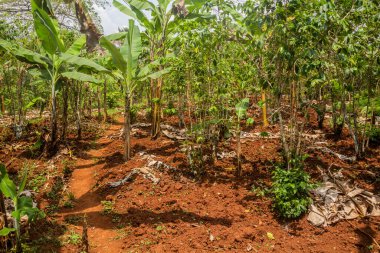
206 64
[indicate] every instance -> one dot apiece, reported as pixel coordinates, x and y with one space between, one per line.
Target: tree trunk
181 107
19 95
87 26
53 118
321 115
238 151
65 96
84 108
2 105
105 101
98 103
127 127
89 108
78 111
156 116
265 119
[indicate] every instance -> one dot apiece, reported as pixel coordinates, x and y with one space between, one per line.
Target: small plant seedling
147 242
71 196
107 206
270 236
160 228
68 204
74 238
122 233
37 182
250 121
258 191
67 172
73 219
116 218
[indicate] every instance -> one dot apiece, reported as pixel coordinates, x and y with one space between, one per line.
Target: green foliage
74 238
241 108
133 113
68 204
374 134
250 121
108 206
291 190
37 182
170 111
114 99
23 205
7 187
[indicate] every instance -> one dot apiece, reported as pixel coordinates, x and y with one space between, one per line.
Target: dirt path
101 230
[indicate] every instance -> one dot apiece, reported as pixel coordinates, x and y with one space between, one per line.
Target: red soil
181 214
219 213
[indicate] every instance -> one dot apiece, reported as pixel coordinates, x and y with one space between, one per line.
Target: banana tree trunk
127 127
54 127
89 101
65 111
19 95
152 88
105 101
78 111
156 114
98 103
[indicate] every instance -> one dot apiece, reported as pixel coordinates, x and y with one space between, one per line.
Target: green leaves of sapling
7 187
241 108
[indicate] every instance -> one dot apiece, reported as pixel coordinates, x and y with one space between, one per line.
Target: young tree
53 60
157 29
125 60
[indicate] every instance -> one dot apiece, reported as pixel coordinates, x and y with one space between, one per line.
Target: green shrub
148 113
133 113
114 99
374 135
170 111
291 190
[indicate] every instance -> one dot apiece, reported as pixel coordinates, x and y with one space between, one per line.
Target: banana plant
54 58
157 29
125 59
23 205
